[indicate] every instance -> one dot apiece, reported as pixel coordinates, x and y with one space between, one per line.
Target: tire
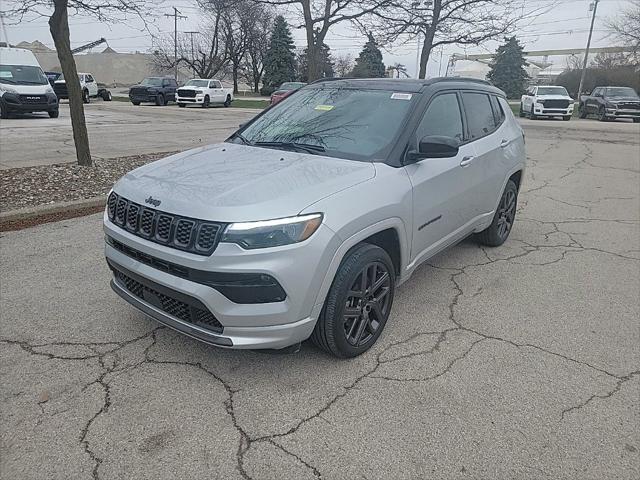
346 335
521 113
182 105
582 111
206 102
4 111
602 114
532 115
106 96
498 232
85 96
160 100
227 102
566 118
54 113
136 103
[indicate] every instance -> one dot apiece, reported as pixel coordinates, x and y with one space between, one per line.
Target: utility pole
193 58
594 5
175 15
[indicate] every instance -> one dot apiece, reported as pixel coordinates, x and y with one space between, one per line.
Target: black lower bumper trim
196 333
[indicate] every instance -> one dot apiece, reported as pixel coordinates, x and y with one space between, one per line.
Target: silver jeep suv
303 223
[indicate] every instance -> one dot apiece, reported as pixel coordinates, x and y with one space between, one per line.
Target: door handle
504 143
466 161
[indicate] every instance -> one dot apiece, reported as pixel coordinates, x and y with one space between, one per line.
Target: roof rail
463 79
330 79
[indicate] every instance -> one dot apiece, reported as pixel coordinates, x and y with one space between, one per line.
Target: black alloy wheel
358 303
368 304
205 103
498 232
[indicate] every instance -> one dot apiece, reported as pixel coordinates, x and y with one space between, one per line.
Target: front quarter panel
367 208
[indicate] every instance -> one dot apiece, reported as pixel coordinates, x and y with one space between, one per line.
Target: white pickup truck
90 88
203 92
546 101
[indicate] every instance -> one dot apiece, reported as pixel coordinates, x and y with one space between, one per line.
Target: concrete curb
27 213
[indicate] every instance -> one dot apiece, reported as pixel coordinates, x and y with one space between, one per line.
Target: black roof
406 84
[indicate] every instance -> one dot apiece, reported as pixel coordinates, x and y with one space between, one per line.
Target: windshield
22 75
347 123
552 91
621 92
152 82
291 86
197 83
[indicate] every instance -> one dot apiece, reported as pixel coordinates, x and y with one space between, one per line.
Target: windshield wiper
306 147
241 138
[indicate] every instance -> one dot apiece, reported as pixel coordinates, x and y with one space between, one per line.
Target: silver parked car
304 222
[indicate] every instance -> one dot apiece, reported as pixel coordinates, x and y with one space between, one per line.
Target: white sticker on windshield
401 96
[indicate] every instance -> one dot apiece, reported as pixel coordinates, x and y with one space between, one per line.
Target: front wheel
227 102
136 103
182 105
498 232
582 111
532 115
205 103
636 120
54 113
358 303
4 111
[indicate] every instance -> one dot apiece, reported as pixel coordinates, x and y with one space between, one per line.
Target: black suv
158 90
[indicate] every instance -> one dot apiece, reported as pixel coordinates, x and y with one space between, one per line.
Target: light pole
594 5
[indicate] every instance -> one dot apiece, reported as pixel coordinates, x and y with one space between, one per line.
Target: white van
23 85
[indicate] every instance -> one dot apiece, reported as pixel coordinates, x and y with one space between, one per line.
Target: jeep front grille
189 234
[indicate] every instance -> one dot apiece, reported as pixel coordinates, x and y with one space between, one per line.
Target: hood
623 99
191 87
30 89
234 183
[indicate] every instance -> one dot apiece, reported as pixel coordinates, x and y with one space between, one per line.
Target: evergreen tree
369 62
280 60
507 69
325 68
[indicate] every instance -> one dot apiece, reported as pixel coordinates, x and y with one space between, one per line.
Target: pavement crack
313 469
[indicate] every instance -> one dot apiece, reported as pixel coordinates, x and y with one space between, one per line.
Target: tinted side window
498 112
479 114
216 84
442 118
89 78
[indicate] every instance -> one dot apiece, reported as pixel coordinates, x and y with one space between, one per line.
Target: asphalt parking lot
116 129
520 362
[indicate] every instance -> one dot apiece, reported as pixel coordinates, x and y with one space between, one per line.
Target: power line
175 15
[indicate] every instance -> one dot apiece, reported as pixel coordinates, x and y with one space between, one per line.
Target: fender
396 223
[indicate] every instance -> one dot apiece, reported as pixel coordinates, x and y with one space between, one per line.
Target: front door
441 203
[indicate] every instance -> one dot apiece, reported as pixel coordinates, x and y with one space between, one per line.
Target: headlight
4 88
48 90
272 233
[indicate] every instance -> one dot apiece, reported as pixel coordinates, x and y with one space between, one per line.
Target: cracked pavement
516 362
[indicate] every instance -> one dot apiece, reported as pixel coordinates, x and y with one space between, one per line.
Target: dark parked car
286 89
158 90
610 103
52 77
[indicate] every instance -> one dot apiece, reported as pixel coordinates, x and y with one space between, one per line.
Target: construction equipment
88 46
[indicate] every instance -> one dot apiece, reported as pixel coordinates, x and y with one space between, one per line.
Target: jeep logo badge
153 201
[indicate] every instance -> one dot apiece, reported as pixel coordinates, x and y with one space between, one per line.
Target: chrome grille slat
189 234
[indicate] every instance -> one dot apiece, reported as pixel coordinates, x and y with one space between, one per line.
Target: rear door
218 91
92 86
441 202
488 140
592 101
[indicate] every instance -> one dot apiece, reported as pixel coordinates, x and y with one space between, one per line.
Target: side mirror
434 146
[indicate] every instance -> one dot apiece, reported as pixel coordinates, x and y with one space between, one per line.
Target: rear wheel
4 111
498 232
582 111
160 100
54 113
358 304
205 103
636 120
136 103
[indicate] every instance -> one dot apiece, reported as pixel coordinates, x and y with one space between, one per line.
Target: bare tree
238 21
318 16
626 28
445 22
204 53
58 13
397 70
343 65
257 46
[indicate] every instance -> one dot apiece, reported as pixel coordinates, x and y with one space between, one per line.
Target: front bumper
13 103
300 269
542 111
198 99
622 113
142 98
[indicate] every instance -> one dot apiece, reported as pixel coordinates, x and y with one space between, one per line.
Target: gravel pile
47 184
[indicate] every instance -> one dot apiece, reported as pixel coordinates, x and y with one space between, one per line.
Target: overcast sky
565 26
